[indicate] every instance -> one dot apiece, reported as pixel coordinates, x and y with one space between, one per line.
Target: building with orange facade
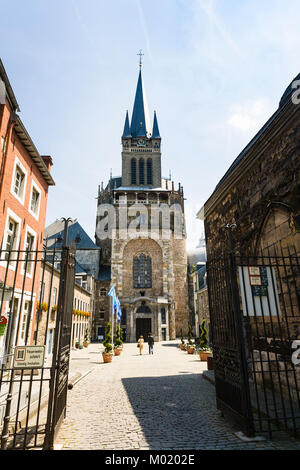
24 181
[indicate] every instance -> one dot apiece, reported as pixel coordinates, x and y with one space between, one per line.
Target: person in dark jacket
150 343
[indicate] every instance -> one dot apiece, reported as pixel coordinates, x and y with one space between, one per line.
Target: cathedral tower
145 246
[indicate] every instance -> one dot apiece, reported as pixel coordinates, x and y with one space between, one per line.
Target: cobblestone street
158 402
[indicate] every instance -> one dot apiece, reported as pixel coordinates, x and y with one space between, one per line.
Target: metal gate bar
268 322
19 429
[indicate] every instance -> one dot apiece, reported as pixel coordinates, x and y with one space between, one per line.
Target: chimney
48 161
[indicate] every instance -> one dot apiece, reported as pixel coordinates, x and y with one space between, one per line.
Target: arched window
149 171
142 276
133 171
141 171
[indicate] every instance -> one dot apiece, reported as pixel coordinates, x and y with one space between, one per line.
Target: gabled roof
56 230
32 150
8 87
20 129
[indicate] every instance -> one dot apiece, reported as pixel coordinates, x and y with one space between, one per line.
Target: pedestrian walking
150 343
141 344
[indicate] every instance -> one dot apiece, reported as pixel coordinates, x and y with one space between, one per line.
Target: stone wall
270 184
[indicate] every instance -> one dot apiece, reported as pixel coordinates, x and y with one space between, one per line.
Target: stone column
172 330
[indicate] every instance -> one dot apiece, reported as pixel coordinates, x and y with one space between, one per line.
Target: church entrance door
143 328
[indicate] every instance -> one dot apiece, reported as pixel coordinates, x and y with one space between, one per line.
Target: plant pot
210 362
190 350
85 344
77 345
80 346
182 347
118 351
107 357
204 355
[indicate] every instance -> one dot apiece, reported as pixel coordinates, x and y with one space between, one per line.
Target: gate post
61 349
243 364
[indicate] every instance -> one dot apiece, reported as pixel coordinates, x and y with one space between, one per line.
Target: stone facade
46 319
259 197
145 215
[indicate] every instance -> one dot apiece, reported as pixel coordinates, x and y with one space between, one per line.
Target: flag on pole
119 311
112 293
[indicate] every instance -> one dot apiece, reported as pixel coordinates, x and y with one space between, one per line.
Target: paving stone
159 402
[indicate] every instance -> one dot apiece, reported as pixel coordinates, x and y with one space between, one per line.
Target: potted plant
118 341
108 347
86 338
182 344
204 350
190 345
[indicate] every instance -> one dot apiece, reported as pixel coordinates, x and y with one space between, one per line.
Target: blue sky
214 70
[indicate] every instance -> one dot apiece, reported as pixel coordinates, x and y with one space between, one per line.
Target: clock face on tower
141 143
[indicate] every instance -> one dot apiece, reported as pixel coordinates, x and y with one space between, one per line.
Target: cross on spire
140 54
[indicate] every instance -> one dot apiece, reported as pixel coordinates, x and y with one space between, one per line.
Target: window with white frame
11 238
19 182
54 295
29 254
26 312
35 201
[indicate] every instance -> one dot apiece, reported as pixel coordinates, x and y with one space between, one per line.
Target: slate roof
56 230
114 183
104 273
140 122
155 131
139 126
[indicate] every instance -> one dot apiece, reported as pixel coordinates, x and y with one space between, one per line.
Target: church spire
155 131
126 132
140 117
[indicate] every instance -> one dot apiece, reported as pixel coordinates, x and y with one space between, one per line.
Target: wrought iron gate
255 320
36 304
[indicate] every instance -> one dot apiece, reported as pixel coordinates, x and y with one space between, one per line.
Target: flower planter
107 357
204 355
190 350
85 344
182 347
118 351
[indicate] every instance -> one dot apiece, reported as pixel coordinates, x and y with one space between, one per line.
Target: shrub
86 335
190 342
108 339
181 336
203 336
118 337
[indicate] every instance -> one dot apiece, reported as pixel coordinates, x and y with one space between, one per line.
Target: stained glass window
142 275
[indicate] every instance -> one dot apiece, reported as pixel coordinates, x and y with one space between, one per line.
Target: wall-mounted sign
29 357
259 291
